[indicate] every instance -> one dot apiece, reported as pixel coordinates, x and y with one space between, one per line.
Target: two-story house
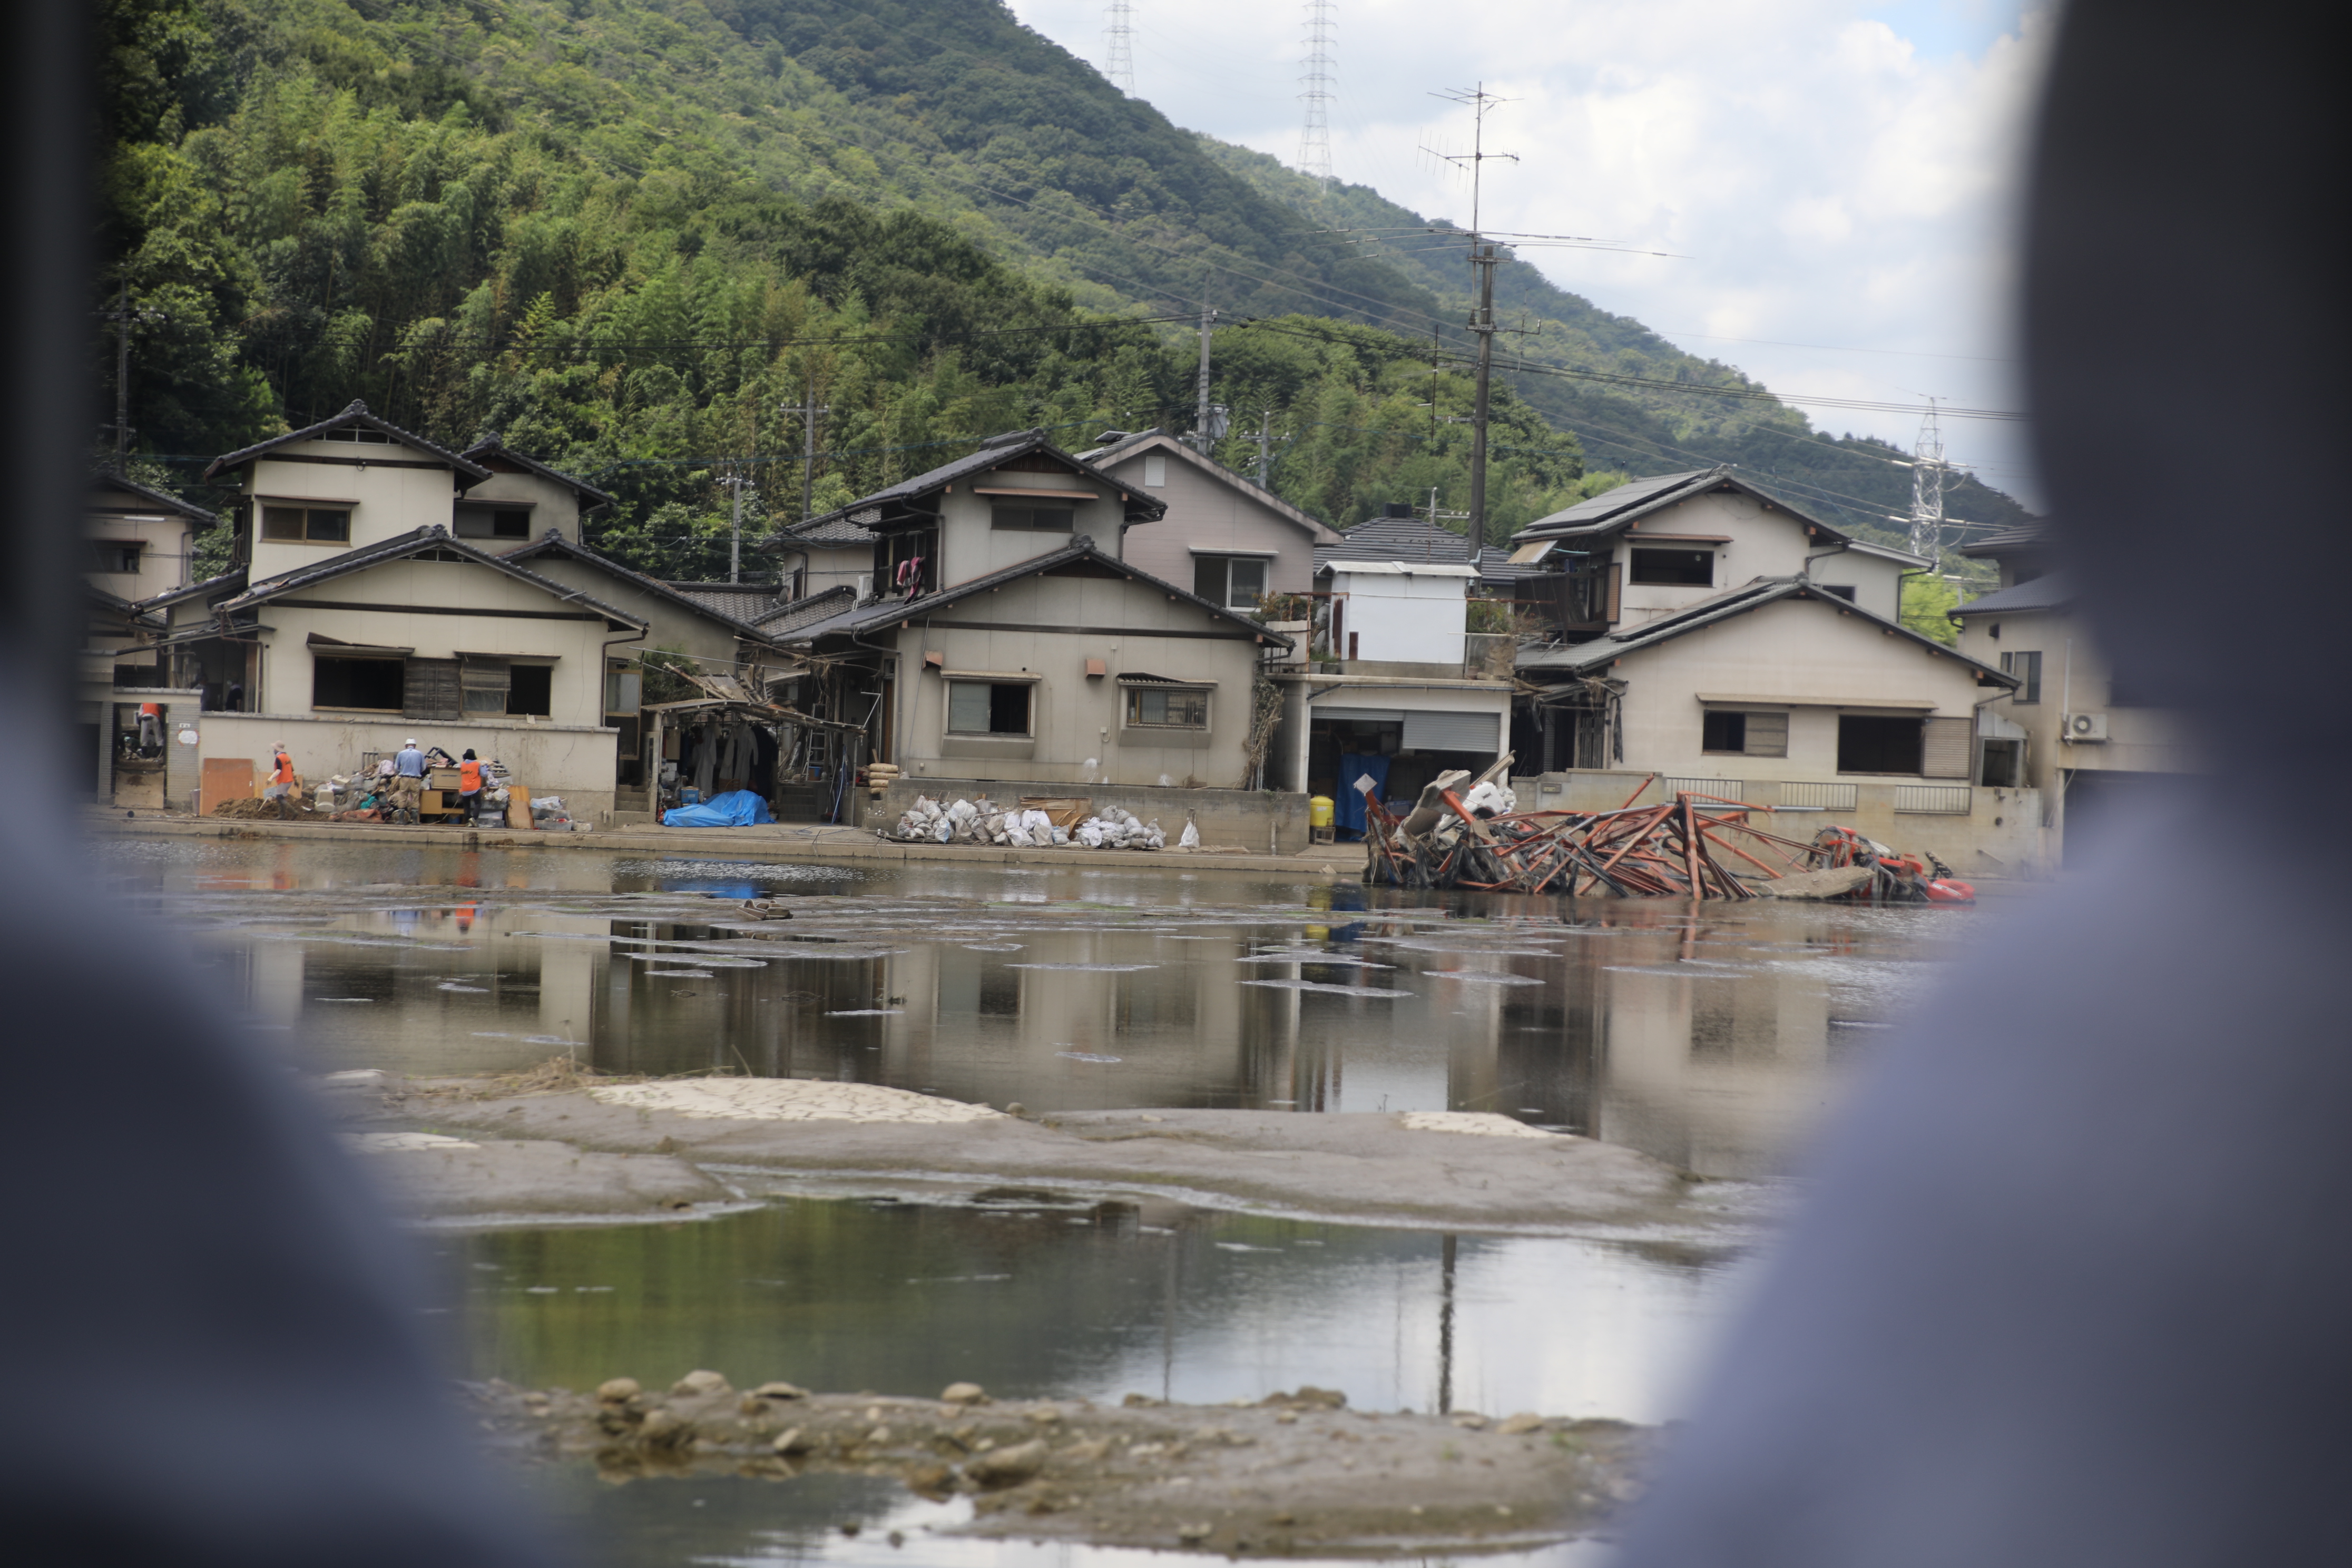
1721 637
1232 539
2068 728
1005 643
371 599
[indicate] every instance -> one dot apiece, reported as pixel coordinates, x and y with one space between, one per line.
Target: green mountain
633 235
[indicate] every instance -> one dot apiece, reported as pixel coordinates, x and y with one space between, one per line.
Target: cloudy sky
1837 175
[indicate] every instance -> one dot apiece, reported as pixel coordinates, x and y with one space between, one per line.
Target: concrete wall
1805 657
571 761
1231 818
383 501
1049 626
2074 680
2004 833
1211 512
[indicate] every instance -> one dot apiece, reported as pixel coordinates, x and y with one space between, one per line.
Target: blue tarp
736 808
1346 802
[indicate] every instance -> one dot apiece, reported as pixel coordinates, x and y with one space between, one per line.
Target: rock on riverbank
1293 1473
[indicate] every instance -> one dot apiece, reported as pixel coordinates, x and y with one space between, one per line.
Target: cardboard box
441 778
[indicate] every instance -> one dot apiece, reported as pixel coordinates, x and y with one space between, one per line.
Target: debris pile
1696 846
1021 827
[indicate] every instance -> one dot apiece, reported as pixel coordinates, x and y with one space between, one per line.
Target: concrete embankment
457 1149
798 843
1295 1474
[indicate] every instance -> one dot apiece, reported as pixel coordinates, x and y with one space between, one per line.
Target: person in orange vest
469 786
281 779
151 728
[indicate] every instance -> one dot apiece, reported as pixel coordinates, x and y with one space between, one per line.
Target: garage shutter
1946 753
1359 715
1452 732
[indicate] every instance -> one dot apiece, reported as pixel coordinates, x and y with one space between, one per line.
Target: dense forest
633 236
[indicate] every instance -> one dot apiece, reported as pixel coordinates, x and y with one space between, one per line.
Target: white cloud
1838 173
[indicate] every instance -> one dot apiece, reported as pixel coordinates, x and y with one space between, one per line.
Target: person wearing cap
281 776
407 781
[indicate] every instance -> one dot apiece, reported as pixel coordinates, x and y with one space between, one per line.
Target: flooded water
1713 1040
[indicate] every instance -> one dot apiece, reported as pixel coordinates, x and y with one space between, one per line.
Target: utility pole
1316 78
1483 260
808 412
1484 325
735 482
1201 436
124 319
1119 41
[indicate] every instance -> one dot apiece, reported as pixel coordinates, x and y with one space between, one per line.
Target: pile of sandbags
1119 829
984 822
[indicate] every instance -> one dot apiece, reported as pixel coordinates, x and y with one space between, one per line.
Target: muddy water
1713 1040
1709 1039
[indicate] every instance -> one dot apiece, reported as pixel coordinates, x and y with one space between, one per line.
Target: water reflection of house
2067 728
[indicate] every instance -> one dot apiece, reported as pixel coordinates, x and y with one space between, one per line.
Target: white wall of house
159 544
1874 574
1209 513
384 497
971 547
1803 659
825 567
1747 539
1046 630
1402 613
2075 678
545 502
441 609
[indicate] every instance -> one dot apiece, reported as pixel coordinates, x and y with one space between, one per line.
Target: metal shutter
1452 732
1946 752
1360 715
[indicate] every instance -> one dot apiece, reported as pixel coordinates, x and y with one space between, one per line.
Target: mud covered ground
563 1144
1295 1474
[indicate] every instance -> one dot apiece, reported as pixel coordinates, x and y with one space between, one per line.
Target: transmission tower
1119 39
1321 71
1927 489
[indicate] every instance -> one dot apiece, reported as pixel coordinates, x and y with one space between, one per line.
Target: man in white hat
407 781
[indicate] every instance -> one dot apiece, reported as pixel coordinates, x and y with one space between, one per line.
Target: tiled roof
2052 591
414 542
162 500
492 446
745 601
552 542
1613 509
791 617
357 414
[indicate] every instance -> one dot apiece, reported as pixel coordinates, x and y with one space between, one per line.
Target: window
307 525
483 682
2027 668
1040 518
1155 473
493 523
1842 590
530 688
377 684
1168 707
1746 734
1235 581
117 555
2004 764
624 688
1879 743
1674 568
357 433
987 707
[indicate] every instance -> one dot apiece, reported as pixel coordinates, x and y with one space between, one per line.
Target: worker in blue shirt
407 781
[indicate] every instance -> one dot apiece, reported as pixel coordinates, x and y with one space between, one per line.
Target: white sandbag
961 812
1061 834
942 830
1190 838
1090 833
922 807
1018 838
1490 799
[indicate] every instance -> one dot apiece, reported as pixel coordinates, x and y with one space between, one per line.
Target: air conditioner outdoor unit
2086 726
865 586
